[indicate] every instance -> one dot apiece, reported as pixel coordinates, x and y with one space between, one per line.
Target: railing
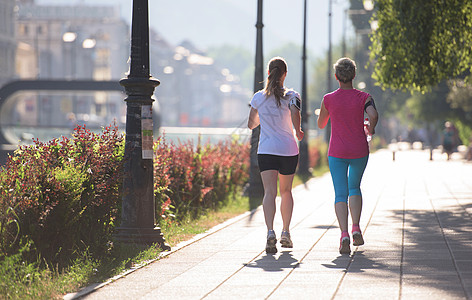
204 134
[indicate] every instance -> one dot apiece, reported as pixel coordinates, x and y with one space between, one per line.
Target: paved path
417 223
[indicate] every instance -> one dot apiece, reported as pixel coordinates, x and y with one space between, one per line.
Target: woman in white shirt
277 110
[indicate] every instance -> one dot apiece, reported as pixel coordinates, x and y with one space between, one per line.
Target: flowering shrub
190 179
317 151
63 194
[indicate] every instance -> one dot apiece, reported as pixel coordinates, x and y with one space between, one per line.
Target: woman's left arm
296 121
373 115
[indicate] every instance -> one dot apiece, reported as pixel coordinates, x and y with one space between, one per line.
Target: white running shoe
285 240
271 247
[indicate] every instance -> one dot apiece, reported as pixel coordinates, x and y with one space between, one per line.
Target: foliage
60 201
430 106
184 229
63 195
445 101
317 151
460 101
190 179
418 44
23 278
291 52
238 60
465 132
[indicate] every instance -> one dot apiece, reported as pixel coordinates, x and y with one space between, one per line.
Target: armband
371 102
295 101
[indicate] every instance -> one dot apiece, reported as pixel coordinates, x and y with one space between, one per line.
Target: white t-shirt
277 135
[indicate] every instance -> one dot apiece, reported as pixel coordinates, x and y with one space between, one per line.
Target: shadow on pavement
274 263
362 263
437 248
325 226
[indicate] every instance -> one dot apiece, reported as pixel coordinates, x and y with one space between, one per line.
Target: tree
292 53
238 60
420 43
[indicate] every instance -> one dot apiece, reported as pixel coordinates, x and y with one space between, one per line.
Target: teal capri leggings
347 184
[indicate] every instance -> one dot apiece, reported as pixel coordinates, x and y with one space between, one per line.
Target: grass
19 280
175 233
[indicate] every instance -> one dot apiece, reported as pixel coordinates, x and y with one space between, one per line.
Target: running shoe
285 240
344 247
271 241
357 239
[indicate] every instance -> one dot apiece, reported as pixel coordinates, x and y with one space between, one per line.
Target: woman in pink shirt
348 150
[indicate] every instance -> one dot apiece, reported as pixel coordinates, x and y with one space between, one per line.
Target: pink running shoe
344 247
357 239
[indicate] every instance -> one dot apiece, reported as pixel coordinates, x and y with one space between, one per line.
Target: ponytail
277 67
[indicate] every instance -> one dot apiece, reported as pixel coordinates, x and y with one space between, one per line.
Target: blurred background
203 54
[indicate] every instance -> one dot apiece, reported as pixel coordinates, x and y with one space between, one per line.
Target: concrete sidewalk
417 224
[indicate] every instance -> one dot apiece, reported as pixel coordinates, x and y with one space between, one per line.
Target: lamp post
70 39
344 33
357 12
138 208
304 164
256 191
368 6
330 12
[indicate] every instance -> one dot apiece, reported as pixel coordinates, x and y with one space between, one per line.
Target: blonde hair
345 69
276 67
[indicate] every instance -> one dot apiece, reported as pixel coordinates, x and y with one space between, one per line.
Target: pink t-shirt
346 111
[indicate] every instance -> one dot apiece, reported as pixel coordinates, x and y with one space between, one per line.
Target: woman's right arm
323 117
253 120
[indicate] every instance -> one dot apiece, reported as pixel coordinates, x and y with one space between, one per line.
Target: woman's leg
355 206
269 181
342 214
338 169
356 171
286 206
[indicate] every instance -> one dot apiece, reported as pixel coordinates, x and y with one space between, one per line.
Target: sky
208 23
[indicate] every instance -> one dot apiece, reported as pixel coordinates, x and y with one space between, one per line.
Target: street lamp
70 38
256 191
138 208
330 12
368 5
304 165
89 43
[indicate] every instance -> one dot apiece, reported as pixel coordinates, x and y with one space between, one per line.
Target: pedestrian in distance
348 150
450 139
277 110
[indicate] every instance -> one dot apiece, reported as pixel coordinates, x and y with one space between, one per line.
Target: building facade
83 42
7 40
72 43
194 91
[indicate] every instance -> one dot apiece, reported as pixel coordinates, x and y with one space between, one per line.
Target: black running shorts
286 165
